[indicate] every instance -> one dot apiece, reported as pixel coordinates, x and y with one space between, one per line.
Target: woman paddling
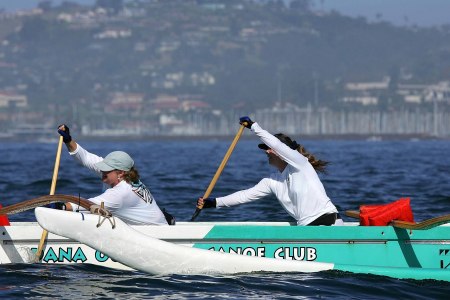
127 197
296 185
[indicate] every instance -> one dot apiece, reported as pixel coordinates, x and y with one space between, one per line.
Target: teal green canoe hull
383 250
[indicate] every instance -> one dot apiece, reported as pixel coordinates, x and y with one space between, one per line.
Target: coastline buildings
424 111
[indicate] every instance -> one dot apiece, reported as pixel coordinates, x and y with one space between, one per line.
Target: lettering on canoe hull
69 254
288 253
77 255
296 253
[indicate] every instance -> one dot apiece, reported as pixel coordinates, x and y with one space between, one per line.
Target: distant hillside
229 52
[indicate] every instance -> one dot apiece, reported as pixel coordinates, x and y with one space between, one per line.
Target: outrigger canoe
384 250
281 252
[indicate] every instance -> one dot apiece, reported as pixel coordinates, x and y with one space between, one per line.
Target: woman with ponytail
296 184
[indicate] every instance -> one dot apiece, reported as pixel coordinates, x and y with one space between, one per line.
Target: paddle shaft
219 170
52 192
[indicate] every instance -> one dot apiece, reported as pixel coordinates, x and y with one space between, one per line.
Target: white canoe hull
142 252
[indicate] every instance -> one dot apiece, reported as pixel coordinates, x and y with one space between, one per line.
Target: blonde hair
131 176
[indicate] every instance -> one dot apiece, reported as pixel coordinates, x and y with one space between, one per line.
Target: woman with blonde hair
125 196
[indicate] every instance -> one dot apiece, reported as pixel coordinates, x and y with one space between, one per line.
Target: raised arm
86 158
291 156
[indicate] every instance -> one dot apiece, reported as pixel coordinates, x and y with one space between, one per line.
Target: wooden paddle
219 171
52 192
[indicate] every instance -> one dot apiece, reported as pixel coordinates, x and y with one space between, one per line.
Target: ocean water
178 172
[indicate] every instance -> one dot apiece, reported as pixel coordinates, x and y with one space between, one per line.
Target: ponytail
318 164
132 176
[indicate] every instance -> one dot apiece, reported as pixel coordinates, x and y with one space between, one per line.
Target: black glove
57 205
64 131
209 202
246 121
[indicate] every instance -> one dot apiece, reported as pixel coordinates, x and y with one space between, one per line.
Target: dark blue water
178 172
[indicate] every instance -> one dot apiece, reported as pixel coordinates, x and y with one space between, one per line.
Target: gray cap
117 160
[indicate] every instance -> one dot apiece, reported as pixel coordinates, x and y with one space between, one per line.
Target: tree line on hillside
257 52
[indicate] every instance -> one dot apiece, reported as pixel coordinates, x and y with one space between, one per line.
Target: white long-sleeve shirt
298 188
133 204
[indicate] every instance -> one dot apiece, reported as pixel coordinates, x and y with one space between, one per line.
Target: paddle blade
195 215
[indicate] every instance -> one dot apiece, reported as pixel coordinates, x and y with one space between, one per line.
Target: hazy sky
399 12
419 12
